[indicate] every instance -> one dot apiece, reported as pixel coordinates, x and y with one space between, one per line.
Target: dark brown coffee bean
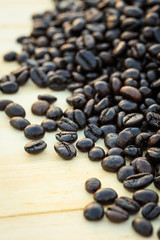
100 106
15 110
125 138
65 124
125 172
84 144
47 97
144 166
96 154
40 107
127 106
153 119
10 56
142 226
145 196
69 137
54 113
128 204
131 93
65 150
132 152
92 185
49 125
105 196
115 151
137 181
133 119
141 140
34 132
107 115
117 214
93 211
9 87
4 103
39 77
35 147
110 140
87 60
101 87
153 154
93 132
19 123
150 211
131 73
113 163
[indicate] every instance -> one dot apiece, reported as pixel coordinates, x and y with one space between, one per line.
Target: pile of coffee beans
107 54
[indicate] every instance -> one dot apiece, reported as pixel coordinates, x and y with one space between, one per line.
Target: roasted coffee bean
102 88
15 110
137 181
40 107
92 185
4 103
105 196
125 172
131 93
34 132
49 125
108 129
47 97
54 113
104 103
150 211
113 163
86 60
93 120
132 152
153 154
39 77
84 144
93 132
117 214
134 130
79 118
96 154
107 115
157 182
35 147
133 119
145 196
131 73
128 204
89 107
153 119
78 101
127 106
141 140
10 56
115 151
69 137
19 123
9 87
144 166
142 226
125 138
65 124
65 150
110 140
93 211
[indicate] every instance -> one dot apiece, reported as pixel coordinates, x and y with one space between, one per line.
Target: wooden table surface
42 197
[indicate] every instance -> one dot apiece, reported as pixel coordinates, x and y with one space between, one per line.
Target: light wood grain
42 197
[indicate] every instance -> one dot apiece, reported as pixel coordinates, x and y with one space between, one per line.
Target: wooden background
42 197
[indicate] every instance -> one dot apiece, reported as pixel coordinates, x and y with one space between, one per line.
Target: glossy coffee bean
150 211
153 154
113 163
127 106
115 151
141 140
125 172
34 132
107 115
10 56
86 60
153 120
19 123
93 211
84 144
49 125
144 166
15 110
4 103
157 182
9 87
47 97
35 147
65 124
125 138
92 185
39 77
142 226
105 196
128 204
69 137
110 140
40 107
108 129
154 141
54 113
131 93
93 132
117 214
96 154
65 150
145 196
137 181
133 119
132 152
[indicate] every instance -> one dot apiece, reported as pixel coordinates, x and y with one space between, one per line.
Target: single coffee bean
132 151
65 150
10 56
110 140
86 60
35 147
137 181
4 103
65 124
22 78
47 97
93 120
117 214
108 129
135 130
141 140
115 151
39 77
125 172
127 106
133 119
105 196
69 137
49 125
144 166
40 107
9 87
131 73
15 110
101 105
88 109
153 154
144 196
107 115
142 226
93 132
125 138
92 185
96 154
54 113
79 118
113 163
157 182
19 123
34 131
84 144
154 141
128 204
93 211
153 120
150 211
131 93
133 11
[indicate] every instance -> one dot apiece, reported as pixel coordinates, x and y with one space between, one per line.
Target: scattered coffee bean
128 204
150 211
125 172
19 123
115 151
54 113
69 137
93 211
65 150
65 124
49 125
93 132
40 107
92 185
9 87
35 147
142 226
105 196
145 195
47 97
113 163
10 56
144 166
96 154
15 110
110 140
84 144
34 132
4 103
125 138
